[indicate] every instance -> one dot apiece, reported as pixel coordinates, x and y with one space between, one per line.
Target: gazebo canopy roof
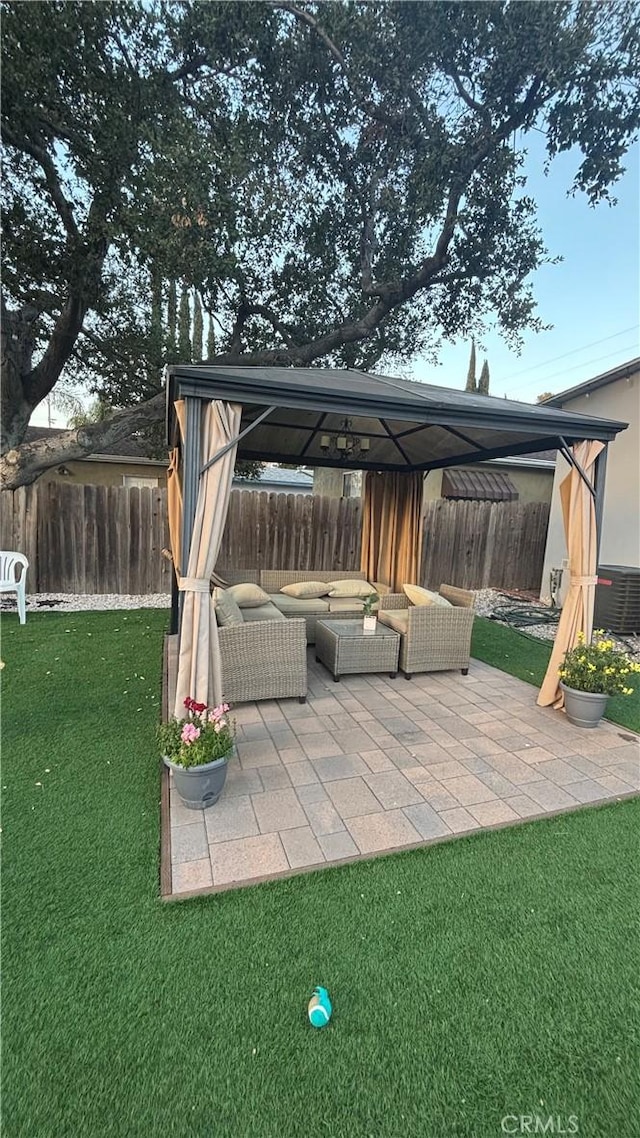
409 425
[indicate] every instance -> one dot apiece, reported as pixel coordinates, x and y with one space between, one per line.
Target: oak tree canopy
334 182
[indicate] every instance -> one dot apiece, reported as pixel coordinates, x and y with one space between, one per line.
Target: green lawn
527 658
489 976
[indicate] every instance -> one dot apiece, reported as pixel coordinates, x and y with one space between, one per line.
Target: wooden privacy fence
88 539
479 545
291 531
109 539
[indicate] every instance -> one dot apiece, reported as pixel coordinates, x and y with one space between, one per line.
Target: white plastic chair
11 583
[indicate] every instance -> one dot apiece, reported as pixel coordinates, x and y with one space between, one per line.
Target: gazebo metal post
175 603
191 480
597 489
190 477
600 480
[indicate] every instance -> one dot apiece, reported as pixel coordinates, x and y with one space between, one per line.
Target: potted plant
591 673
197 750
370 620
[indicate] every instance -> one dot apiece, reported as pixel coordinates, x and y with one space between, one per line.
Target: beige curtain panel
199 669
174 491
579 517
392 528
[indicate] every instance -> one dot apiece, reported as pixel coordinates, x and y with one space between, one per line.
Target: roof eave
603 380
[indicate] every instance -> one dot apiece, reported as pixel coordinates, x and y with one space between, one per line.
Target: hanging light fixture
344 444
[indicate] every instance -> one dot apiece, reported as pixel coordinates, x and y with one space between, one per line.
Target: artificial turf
524 656
489 976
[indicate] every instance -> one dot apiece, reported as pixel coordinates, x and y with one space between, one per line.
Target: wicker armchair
432 638
264 659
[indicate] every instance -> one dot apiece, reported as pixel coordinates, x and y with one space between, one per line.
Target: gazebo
396 430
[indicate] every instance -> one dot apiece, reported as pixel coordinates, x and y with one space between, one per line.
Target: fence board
110 539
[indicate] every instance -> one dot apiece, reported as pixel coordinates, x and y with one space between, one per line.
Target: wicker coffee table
345 649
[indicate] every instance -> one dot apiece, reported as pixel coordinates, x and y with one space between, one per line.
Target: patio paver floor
372 765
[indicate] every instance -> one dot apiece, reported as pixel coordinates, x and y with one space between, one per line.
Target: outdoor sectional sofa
272 580
265 656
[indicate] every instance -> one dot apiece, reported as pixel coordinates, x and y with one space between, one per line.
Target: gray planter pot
584 708
200 787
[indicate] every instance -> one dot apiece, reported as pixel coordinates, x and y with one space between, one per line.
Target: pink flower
190 733
219 711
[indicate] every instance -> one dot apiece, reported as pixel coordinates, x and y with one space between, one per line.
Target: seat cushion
419 596
345 604
263 612
397 619
294 606
306 589
227 611
350 588
248 595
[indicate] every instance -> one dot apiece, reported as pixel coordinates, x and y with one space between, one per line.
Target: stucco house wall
532 484
100 472
620 540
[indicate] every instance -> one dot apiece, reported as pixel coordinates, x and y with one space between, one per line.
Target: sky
592 298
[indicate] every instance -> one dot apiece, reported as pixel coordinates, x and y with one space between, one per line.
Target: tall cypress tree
172 321
471 374
197 328
483 382
156 316
184 328
211 340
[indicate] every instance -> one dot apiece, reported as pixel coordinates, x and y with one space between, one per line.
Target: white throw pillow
248 596
350 589
306 590
419 596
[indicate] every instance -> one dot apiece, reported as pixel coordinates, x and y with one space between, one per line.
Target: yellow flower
581 637
592 667
598 632
627 691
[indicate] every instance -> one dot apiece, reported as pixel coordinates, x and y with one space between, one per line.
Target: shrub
205 734
597 667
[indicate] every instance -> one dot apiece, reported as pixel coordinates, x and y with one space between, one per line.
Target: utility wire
576 367
555 359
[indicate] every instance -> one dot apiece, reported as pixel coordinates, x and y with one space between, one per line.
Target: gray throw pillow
227 610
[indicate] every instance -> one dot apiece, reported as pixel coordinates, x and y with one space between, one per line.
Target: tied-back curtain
199 667
579 517
392 528
174 492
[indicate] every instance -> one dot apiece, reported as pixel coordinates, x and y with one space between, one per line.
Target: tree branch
366 106
269 315
39 154
24 464
472 103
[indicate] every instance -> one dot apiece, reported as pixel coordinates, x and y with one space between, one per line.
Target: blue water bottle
319 1009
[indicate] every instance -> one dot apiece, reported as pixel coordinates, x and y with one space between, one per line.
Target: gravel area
491 602
84 602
